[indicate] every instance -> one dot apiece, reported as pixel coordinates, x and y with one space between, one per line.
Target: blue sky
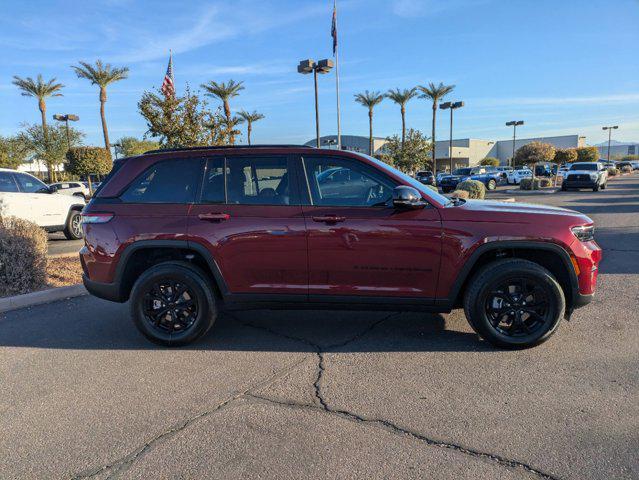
564 66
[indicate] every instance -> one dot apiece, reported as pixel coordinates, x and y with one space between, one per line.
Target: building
354 143
468 152
618 150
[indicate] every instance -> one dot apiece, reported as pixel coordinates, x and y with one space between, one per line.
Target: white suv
24 196
72 188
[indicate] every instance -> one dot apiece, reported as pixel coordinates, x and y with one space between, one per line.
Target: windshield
585 166
430 193
462 171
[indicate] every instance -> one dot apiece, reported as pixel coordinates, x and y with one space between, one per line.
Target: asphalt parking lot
332 394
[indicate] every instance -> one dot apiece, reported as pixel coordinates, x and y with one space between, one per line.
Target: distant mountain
614 142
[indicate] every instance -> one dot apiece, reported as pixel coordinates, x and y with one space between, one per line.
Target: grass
63 271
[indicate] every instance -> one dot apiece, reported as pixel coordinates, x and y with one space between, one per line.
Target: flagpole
339 129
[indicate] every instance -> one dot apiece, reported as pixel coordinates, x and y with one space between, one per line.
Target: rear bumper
107 291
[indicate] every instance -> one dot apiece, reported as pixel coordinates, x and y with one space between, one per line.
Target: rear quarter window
167 181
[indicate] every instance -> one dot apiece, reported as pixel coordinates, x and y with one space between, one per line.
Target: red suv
185 233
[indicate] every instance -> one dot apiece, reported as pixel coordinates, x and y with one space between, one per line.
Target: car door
12 202
358 244
47 209
250 219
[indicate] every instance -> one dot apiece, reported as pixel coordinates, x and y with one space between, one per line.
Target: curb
547 191
37 298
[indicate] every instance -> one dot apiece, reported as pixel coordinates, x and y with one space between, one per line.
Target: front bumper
579 183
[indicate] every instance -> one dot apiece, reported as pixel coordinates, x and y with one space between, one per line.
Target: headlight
585 233
593 176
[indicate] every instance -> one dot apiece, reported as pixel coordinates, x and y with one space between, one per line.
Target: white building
618 150
354 143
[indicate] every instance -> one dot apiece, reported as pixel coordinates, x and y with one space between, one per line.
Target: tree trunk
248 132
45 134
403 125
105 132
433 138
370 132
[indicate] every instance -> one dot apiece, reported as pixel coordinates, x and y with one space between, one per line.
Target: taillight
96 217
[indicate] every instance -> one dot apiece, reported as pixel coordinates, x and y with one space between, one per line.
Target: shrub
626 169
526 184
565 155
587 154
23 256
475 188
542 182
460 194
613 172
490 162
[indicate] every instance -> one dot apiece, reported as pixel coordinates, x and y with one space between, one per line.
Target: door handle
214 217
329 219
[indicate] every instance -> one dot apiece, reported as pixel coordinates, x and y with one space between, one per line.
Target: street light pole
451 106
610 129
514 124
306 67
69 117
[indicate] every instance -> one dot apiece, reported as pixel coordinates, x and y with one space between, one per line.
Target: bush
475 188
460 194
537 184
587 154
613 172
490 162
526 184
626 169
23 256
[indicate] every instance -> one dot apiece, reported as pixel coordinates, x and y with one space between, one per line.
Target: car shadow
89 323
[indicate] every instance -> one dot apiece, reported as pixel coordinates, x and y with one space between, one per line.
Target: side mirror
407 198
53 189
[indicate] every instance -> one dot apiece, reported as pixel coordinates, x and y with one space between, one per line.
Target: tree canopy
52 150
413 155
534 152
587 154
490 162
565 155
13 151
131 146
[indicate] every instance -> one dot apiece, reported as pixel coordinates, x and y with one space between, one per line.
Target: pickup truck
489 176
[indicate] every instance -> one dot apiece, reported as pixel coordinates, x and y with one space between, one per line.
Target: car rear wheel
172 304
491 185
514 303
73 227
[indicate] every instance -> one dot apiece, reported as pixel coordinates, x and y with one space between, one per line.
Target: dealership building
466 152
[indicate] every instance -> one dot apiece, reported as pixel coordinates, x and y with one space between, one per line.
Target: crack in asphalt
321 405
122 464
394 428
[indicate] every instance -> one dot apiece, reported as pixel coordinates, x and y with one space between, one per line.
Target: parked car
72 188
515 177
621 165
426 177
24 196
441 174
586 175
182 234
635 164
504 171
546 169
489 176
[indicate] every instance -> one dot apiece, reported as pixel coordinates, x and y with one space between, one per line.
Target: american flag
168 87
334 28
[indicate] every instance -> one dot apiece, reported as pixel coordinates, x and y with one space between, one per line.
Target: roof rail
224 147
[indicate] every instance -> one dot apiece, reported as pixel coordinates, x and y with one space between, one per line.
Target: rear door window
167 181
258 181
7 183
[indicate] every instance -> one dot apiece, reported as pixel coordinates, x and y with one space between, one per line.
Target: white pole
339 128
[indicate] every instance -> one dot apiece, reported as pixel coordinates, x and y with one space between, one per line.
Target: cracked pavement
307 394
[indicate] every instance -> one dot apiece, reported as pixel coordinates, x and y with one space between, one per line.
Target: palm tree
434 93
369 100
229 127
223 91
249 118
40 90
401 97
102 75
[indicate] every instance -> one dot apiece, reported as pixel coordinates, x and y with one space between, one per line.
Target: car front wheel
491 184
172 304
514 303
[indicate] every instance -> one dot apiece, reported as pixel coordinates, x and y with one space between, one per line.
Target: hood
581 172
491 210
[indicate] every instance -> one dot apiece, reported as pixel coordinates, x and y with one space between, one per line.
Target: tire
535 328
73 227
155 290
595 188
603 186
564 188
491 185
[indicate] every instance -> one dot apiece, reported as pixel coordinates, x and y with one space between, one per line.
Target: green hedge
475 188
